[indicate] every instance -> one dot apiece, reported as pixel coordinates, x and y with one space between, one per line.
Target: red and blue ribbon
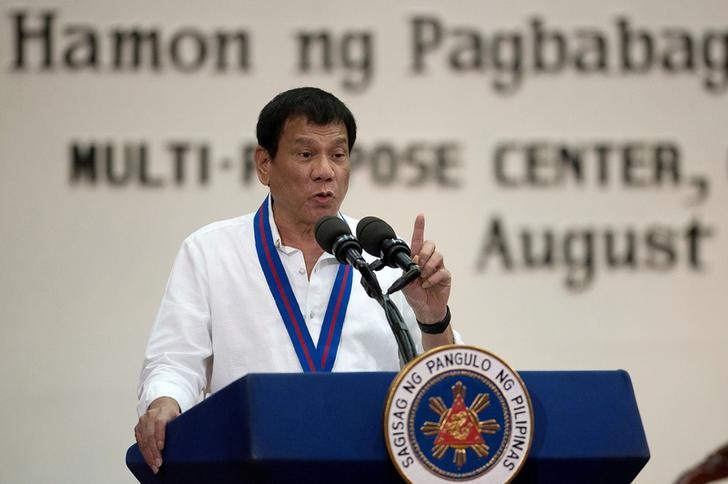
313 358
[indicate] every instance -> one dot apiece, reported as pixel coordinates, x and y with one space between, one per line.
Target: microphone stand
407 349
334 236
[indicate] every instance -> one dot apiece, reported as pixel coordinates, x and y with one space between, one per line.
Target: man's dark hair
317 106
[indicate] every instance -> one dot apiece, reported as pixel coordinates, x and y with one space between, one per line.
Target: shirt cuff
456 338
154 390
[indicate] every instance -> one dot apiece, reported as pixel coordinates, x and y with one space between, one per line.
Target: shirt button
301 271
310 315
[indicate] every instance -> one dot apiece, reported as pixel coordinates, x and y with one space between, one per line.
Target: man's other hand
150 431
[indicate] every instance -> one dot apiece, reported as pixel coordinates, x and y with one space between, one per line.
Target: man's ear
262 165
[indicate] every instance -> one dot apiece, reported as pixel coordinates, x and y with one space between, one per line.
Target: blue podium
319 428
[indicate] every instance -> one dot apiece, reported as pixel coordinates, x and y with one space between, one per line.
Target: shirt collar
273 227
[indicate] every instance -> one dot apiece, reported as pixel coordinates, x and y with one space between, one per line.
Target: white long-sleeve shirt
218 320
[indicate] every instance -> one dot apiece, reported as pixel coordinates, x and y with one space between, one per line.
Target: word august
580 251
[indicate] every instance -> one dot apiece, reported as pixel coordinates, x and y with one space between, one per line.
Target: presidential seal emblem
458 413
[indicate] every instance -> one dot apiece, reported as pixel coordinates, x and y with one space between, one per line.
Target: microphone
334 236
378 239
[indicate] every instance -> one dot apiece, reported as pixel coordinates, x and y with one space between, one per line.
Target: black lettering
499 165
678 54
519 444
694 235
426 37
83 52
23 35
224 40
446 156
579 250
505 379
636 48
179 160
384 165
544 43
591 54
203 153
508 62
571 160
409 387
83 162
633 162
602 151
627 257
539 165
467 54
715 57
414 156
495 245
700 187
542 258
128 46
660 248
306 42
354 53
667 163
145 177
192 42
357 59
579 258
114 174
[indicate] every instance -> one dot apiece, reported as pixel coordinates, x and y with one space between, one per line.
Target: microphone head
371 232
328 229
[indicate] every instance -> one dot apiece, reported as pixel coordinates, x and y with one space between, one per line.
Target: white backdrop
85 260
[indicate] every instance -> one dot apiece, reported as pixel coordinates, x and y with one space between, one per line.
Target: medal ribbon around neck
316 358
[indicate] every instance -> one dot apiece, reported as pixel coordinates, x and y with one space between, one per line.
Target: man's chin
325 203
320 212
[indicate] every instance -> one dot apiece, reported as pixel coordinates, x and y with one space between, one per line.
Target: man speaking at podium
257 294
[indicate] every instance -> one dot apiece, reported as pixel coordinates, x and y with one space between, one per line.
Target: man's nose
323 168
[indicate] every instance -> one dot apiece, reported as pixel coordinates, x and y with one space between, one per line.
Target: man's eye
305 154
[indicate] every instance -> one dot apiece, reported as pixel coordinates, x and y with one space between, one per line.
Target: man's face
309 176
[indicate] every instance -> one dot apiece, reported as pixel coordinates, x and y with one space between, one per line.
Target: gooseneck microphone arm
334 236
346 247
407 349
368 279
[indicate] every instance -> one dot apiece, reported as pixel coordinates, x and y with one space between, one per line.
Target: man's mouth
324 195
